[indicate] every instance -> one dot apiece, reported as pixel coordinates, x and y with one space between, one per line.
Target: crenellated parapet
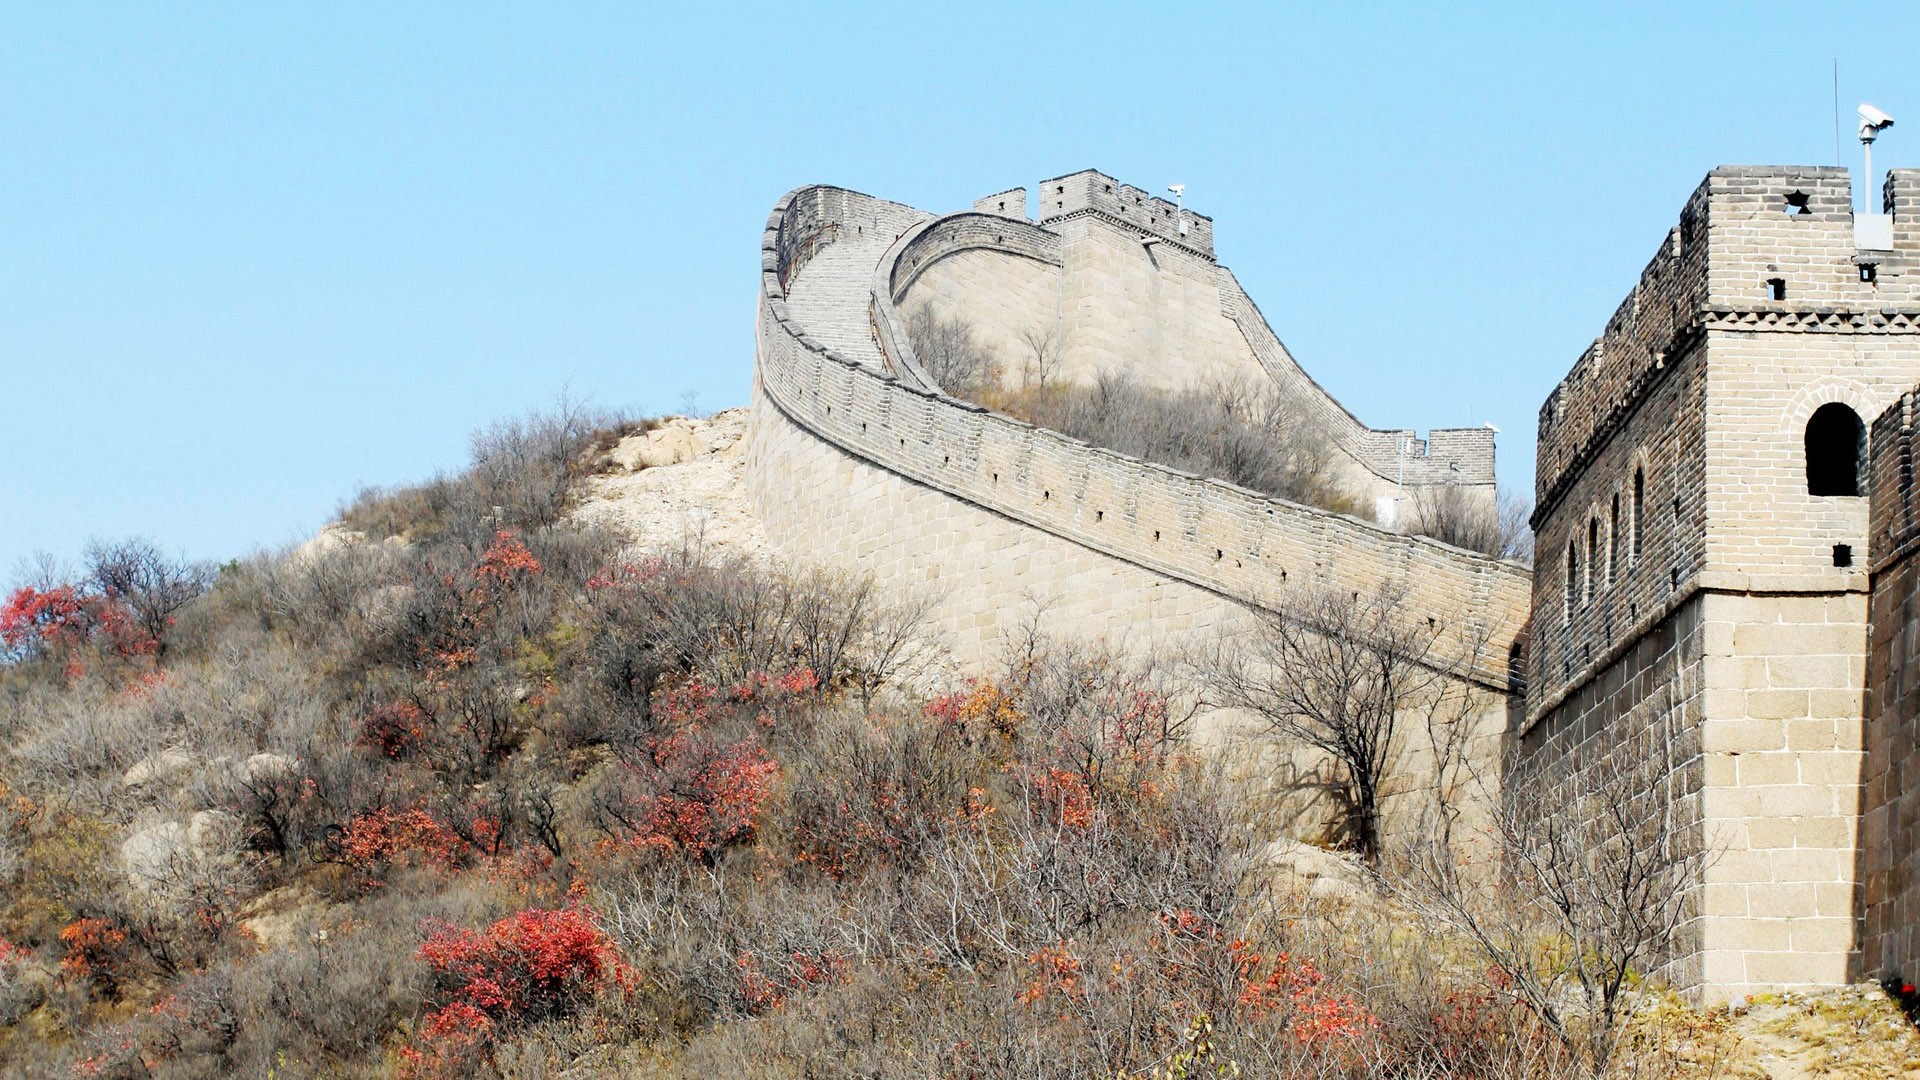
1757 249
1706 563
1176 528
1093 193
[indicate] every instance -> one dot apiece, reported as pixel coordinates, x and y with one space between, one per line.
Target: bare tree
1516 526
946 348
152 585
1455 515
1043 348
1597 875
1341 672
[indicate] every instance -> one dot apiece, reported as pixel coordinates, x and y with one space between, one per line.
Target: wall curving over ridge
857 464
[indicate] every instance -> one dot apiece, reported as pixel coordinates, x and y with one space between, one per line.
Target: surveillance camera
1872 121
1180 188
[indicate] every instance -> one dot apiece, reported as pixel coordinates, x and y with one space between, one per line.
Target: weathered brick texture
1684 561
857 462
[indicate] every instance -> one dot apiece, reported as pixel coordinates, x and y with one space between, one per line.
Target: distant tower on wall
1702 550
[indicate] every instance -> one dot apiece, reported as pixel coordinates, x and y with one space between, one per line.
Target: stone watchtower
1702 549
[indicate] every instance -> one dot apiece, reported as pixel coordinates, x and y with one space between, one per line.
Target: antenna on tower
1837 158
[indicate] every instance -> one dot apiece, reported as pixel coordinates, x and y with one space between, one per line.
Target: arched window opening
1593 553
1836 450
1639 508
1613 541
1573 580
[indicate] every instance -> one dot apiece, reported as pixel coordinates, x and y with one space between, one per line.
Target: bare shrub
521 477
1454 515
946 348
1344 674
1598 874
730 620
71 749
152 585
525 467
330 587
1245 433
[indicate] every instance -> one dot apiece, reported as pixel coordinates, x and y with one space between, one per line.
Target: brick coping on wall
1272 535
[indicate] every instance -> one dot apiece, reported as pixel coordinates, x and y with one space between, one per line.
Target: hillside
544 769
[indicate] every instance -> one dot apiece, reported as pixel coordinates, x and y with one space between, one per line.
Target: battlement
1092 192
1764 249
1892 524
1204 544
1011 203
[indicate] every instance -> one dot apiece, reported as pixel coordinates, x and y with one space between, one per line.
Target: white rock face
702 498
155 856
330 538
160 768
672 443
266 766
1323 874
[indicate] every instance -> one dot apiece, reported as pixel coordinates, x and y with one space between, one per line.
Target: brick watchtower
1702 550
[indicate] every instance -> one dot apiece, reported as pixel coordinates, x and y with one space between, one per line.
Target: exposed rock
265 766
1328 888
284 915
160 768
669 444
329 538
154 855
703 500
1323 874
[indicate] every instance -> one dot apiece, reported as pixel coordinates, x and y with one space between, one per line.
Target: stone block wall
1208 533
1122 300
990 575
1682 431
1010 203
1652 690
1152 312
1004 298
1783 677
1091 193
1621 548
1888 860
1755 702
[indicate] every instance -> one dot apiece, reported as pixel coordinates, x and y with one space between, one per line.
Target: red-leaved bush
396 729
533 965
59 619
370 842
689 795
1292 986
97 951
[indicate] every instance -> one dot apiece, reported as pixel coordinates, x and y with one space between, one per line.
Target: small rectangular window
1776 288
1869 273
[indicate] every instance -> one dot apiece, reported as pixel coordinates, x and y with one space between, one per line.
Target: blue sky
252 256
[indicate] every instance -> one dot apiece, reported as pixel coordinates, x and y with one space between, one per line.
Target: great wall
1709 565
